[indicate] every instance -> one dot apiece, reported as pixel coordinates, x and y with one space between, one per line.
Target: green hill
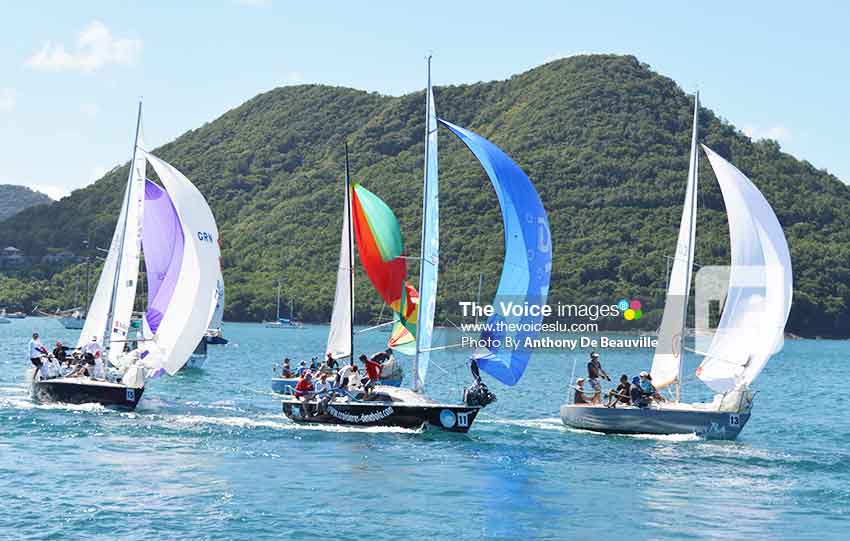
604 138
14 198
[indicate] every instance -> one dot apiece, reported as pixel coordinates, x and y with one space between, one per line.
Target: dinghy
750 330
525 275
175 228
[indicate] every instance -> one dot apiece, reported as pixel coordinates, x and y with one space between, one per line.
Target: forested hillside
604 138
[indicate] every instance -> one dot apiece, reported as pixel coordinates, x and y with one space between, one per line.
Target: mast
107 333
478 297
350 254
417 385
694 166
278 301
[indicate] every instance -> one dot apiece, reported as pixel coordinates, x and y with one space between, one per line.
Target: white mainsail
185 322
430 244
339 337
760 285
667 361
116 287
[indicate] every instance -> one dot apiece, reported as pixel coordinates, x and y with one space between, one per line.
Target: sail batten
527 266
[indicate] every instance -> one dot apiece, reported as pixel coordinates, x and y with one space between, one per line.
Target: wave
284 424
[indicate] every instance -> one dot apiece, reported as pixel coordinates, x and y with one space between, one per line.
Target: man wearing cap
579 396
594 369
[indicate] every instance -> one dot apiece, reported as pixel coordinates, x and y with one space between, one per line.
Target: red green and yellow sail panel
381 251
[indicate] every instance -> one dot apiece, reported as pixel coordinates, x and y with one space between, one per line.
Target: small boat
76 320
16 315
525 275
174 227
750 330
3 317
282 322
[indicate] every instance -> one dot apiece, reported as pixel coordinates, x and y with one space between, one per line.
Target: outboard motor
477 394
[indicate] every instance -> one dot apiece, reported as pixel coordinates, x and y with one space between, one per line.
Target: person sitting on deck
649 390
304 388
636 394
313 366
60 352
302 368
621 394
594 370
285 370
579 397
322 385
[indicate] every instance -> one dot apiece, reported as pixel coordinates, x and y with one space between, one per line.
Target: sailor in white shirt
93 348
35 350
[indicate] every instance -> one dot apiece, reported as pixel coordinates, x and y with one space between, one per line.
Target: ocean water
209 455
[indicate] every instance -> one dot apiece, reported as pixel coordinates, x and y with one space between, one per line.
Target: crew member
35 350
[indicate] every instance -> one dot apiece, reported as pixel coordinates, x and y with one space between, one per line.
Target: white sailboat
750 330
175 227
281 322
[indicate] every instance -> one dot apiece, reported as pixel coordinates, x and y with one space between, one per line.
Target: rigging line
375 327
440 348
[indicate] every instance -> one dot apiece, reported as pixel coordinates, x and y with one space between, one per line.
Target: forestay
528 259
760 285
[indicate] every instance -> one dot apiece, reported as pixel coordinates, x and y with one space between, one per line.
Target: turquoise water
208 455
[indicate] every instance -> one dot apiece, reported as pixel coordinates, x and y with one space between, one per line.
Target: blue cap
635 380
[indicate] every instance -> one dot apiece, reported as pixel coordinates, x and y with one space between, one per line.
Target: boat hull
449 418
87 392
72 322
287 385
216 340
631 420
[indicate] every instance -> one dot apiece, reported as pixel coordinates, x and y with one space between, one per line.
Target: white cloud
55 192
7 100
293 78
776 132
95 48
89 109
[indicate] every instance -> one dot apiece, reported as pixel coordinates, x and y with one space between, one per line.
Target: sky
71 73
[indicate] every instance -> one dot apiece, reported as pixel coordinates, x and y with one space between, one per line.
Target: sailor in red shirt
304 387
374 366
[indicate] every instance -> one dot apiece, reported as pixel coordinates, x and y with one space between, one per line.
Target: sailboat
73 318
175 228
214 334
751 326
341 334
281 322
525 277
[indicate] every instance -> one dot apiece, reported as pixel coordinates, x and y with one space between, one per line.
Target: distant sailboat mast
107 332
